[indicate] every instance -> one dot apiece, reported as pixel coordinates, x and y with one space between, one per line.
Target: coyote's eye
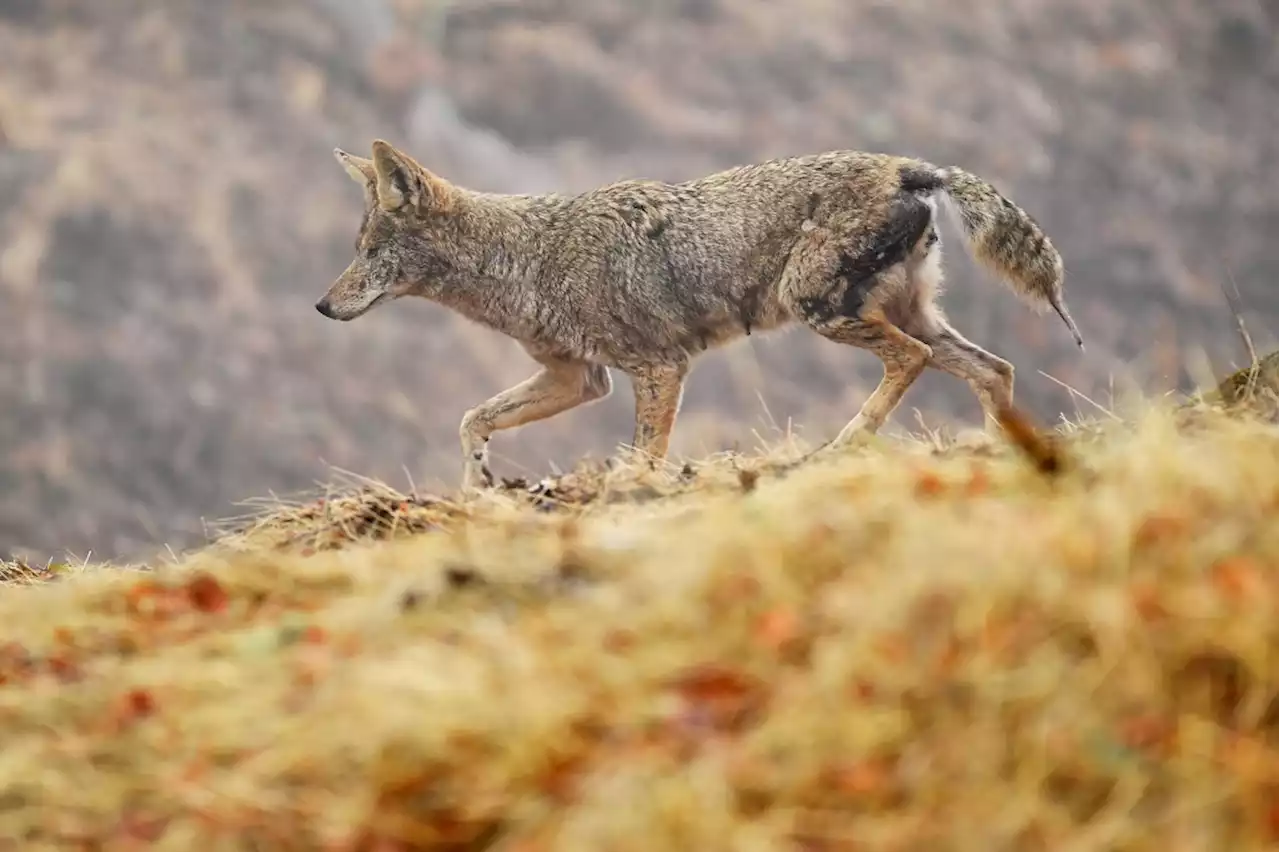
370 252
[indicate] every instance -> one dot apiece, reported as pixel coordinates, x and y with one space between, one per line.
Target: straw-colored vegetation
910 646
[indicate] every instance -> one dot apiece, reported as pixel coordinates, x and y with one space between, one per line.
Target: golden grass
907 647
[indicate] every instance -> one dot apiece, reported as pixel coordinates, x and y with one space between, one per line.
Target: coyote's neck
498 260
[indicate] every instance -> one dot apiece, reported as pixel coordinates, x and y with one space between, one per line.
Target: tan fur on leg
990 376
658 390
904 360
560 386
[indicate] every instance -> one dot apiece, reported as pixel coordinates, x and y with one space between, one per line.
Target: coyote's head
395 253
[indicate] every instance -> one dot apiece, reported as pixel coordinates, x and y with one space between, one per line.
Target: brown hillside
916 647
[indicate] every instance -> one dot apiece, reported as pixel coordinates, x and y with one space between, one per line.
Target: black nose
323 307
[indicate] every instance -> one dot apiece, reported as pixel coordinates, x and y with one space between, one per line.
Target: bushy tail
1004 238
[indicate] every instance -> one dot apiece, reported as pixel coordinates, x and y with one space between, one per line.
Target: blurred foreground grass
906 647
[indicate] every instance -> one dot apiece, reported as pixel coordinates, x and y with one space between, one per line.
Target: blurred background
170 211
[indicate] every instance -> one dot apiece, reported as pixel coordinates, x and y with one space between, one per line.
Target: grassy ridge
904 647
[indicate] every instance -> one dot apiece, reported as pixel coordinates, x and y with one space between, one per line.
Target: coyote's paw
859 433
476 476
842 446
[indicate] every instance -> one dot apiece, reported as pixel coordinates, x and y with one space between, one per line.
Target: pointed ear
360 169
402 182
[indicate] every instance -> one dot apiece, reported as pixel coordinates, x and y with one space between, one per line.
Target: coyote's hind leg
841 280
558 387
904 359
990 376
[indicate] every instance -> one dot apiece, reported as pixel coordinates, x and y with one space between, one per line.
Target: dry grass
904 647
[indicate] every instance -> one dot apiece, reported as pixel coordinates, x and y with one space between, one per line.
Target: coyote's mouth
379 299
348 317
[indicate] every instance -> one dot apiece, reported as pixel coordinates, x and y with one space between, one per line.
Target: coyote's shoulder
643 275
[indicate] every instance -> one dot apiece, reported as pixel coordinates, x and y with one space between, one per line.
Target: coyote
642 276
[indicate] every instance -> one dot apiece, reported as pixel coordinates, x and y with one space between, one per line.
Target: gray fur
643 276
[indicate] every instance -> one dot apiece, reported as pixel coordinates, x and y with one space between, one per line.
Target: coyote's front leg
559 386
658 389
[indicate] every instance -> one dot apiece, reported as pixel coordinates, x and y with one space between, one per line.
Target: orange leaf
142 596
194 770
619 641
559 781
862 690
16 663
929 484
861 778
979 483
1271 821
140 702
780 631
1239 578
137 826
64 668
151 600
1147 732
949 658
718 697
1146 601
206 594
1159 527
349 646
734 589
777 627
133 705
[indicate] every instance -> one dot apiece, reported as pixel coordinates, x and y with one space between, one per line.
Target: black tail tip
1066 318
